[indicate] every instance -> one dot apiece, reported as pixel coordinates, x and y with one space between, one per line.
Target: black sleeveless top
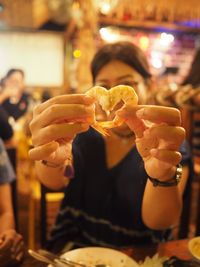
101 206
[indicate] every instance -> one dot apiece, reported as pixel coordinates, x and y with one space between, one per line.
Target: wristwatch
171 182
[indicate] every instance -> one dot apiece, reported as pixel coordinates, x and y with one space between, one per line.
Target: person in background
11 242
6 130
13 97
193 79
123 189
45 95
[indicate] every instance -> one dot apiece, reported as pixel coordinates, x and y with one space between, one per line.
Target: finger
160 169
159 114
61 153
54 132
43 151
17 243
170 134
18 249
137 125
144 145
63 113
168 156
20 255
64 99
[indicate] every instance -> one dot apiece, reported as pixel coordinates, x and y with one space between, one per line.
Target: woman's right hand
11 248
55 124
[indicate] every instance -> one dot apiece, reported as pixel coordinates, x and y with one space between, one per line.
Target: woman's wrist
169 175
168 180
66 165
52 164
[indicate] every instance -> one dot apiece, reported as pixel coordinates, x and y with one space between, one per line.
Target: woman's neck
117 148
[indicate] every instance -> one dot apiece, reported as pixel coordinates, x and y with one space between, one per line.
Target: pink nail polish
69 171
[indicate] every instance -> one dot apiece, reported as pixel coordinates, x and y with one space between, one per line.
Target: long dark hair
11 71
193 76
126 52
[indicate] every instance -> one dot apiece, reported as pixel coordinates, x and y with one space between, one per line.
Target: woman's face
116 73
15 81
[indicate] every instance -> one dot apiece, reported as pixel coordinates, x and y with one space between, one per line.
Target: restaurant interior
53 43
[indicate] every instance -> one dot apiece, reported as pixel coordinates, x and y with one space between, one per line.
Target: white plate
100 255
194 247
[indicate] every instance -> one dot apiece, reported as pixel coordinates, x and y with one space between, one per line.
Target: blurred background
53 41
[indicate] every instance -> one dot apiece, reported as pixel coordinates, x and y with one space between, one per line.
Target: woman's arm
52 177
158 138
55 124
162 206
11 243
6 210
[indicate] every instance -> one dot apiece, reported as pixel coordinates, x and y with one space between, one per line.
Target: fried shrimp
108 99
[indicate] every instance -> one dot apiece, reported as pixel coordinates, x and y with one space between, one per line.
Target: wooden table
173 248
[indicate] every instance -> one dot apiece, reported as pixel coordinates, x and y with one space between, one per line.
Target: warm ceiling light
105 6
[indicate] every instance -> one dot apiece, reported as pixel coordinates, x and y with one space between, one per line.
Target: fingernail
69 171
140 113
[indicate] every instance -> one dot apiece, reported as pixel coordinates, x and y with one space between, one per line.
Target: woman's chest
119 188
115 152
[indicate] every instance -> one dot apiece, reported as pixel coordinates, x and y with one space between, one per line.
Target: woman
6 130
13 98
11 243
110 201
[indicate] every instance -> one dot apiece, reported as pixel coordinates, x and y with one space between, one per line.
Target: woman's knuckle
36 109
51 110
32 125
34 140
181 132
52 129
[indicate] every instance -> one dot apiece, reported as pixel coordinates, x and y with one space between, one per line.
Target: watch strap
171 182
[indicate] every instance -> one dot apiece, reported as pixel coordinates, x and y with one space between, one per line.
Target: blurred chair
197 233
47 196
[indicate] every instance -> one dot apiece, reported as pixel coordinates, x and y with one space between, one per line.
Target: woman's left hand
158 137
11 247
